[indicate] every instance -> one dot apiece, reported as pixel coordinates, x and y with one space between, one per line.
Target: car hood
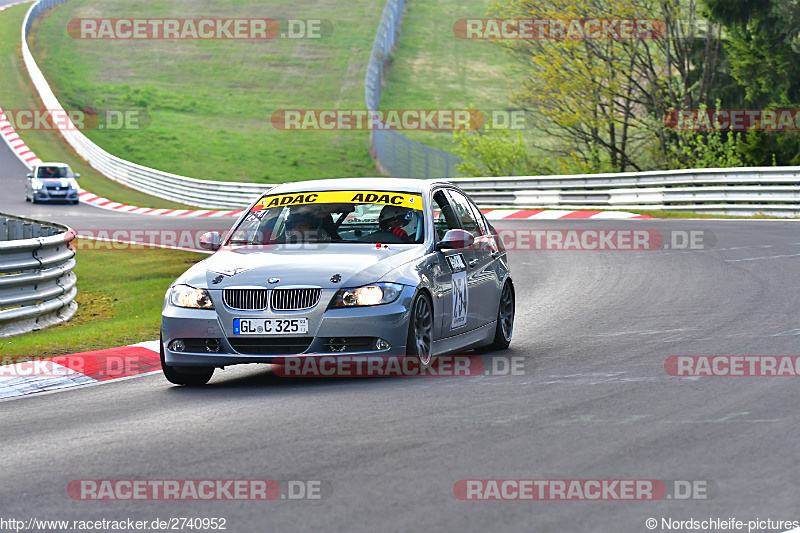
355 265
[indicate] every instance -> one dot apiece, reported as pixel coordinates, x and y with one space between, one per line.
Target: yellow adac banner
411 201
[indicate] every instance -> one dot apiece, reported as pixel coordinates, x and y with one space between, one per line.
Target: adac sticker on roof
411 201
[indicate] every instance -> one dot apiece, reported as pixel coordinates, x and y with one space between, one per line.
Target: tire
190 376
420 328
505 319
75 202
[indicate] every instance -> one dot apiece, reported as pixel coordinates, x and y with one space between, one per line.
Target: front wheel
420 328
190 376
505 319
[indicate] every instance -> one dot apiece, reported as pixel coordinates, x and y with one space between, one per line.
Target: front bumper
42 195
388 322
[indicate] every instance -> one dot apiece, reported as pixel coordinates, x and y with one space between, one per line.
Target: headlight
375 294
186 296
36 185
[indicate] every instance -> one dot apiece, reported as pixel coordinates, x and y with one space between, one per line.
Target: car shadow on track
472 366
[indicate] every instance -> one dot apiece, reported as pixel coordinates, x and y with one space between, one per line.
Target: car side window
463 211
479 217
444 218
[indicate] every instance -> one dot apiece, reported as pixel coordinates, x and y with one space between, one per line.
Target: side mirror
76 176
210 241
457 239
30 174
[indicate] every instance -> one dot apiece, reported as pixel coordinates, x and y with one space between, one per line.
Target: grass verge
684 214
433 69
209 102
117 306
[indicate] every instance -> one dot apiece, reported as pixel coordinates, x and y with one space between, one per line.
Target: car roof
52 165
360 184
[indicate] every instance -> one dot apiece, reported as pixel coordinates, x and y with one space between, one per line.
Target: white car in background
52 182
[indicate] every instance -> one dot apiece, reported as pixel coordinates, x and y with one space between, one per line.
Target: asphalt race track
594 401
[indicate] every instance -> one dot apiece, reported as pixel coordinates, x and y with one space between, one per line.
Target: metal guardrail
37 285
771 191
200 193
396 154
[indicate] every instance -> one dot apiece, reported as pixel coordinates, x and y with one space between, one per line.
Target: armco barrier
200 193
37 285
396 154
771 191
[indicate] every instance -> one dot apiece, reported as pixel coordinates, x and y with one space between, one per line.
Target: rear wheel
191 376
420 328
505 319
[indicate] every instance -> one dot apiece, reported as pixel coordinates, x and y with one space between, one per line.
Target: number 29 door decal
460 293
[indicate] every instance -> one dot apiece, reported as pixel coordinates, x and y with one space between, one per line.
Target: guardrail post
14 230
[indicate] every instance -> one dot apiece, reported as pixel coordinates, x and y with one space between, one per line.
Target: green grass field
210 102
433 69
116 306
16 92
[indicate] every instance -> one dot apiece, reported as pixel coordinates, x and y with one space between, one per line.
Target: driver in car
393 219
304 224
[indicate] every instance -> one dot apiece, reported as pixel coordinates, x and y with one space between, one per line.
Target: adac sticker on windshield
411 201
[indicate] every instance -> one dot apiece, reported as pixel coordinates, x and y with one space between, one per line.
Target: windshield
54 172
334 216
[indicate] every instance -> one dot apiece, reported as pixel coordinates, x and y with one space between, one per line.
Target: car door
450 279
482 279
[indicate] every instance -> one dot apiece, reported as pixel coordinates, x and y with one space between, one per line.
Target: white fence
37 285
771 191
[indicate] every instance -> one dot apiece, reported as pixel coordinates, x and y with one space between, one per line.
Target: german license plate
270 326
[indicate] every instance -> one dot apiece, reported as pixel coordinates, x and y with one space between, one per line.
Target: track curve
594 330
